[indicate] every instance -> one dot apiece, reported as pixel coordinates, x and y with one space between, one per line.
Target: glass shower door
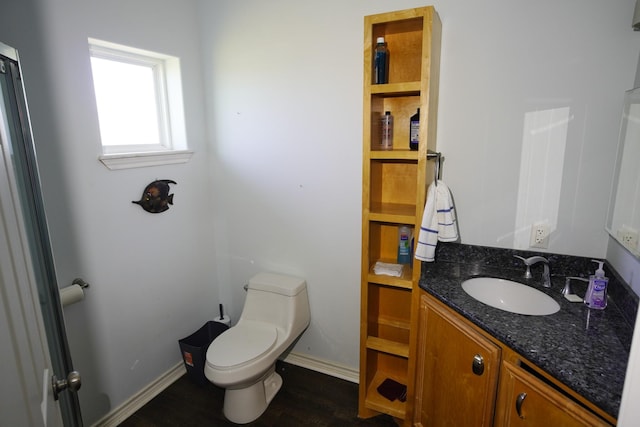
15 121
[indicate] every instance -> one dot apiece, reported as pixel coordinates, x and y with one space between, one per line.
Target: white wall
276 182
503 61
284 86
152 277
627 265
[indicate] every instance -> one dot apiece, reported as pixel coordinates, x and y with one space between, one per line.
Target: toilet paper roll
71 294
225 319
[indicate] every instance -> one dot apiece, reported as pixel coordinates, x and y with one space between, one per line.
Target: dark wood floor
307 398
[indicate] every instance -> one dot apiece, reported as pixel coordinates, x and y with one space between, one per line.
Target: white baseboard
323 366
137 401
141 398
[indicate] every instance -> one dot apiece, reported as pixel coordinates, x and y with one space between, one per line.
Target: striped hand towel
438 222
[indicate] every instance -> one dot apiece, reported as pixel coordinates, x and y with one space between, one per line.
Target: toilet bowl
242 359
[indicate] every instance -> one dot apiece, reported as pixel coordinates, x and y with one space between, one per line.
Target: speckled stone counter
585 349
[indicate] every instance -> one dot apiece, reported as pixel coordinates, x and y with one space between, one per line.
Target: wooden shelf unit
393 195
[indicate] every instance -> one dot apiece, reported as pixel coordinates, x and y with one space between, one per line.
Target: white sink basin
510 296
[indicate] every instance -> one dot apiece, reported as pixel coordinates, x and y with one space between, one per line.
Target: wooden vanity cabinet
451 390
527 401
457 371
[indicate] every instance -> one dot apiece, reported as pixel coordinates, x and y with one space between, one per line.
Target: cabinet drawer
527 401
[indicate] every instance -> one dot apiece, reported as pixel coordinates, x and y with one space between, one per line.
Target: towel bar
438 156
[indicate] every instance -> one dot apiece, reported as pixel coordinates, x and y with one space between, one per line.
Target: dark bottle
414 130
380 62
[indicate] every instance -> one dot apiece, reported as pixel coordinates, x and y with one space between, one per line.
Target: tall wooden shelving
393 194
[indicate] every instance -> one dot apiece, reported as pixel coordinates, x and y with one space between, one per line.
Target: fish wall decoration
156 197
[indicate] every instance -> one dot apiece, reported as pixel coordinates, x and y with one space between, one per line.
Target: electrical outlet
629 237
539 236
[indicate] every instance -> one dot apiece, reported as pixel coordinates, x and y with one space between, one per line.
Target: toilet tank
277 299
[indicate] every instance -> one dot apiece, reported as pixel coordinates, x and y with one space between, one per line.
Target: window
139 102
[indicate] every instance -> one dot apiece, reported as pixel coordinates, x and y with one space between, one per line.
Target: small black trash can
194 349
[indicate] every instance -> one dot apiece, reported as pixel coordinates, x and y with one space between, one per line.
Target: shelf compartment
389 335
401 108
383 366
388 319
404 41
383 242
393 181
404 281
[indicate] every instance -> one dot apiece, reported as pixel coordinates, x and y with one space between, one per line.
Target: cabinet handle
478 364
519 402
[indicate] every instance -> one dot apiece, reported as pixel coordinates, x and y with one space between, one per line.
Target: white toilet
242 359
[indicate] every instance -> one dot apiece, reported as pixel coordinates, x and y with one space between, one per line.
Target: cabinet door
527 401
457 371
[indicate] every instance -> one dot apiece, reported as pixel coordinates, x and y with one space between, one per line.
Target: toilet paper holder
74 293
80 283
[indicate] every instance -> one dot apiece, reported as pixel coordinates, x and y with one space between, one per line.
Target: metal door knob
478 364
72 382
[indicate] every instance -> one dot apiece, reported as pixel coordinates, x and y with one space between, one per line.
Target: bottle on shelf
414 130
404 245
381 62
386 131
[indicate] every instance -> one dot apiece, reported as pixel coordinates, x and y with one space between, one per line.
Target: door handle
72 382
519 401
478 364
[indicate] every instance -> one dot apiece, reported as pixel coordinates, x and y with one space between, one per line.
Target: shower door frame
20 164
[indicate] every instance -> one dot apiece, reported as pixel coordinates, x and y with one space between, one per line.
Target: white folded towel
438 222
388 269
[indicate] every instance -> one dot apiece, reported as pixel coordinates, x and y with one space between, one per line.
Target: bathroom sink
510 296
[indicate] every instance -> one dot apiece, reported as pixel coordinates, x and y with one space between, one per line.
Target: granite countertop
585 349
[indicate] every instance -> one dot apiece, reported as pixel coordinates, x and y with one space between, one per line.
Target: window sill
141 160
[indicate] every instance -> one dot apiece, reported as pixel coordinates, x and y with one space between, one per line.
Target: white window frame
172 146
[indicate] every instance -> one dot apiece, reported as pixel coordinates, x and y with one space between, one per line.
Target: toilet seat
241 344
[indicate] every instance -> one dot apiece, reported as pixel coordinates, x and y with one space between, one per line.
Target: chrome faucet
567 284
546 275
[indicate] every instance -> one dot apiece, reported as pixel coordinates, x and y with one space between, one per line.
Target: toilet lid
240 344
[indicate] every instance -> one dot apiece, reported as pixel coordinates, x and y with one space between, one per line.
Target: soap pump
596 296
